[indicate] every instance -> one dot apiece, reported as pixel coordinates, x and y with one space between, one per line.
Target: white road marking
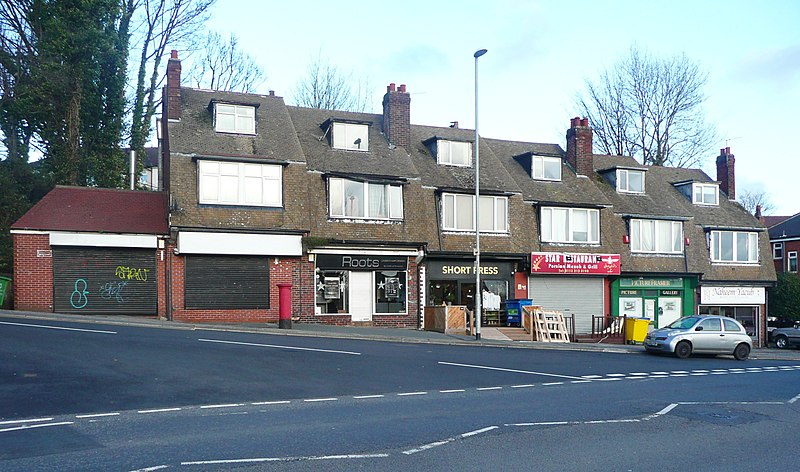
313 400
425 447
457 390
150 469
58 327
523 386
552 383
483 389
591 376
408 394
501 369
285 459
615 375
225 405
638 374
97 415
277 402
580 381
794 399
364 397
26 421
159 410
295 348
479 431
611 379
38 425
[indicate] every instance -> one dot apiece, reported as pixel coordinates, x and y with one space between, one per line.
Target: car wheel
741 352
683 350
781 341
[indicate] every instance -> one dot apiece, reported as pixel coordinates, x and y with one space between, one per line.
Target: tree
159 24
328 88
223 66
750 200
784 298
650 108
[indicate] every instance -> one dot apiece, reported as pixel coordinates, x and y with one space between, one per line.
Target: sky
540 54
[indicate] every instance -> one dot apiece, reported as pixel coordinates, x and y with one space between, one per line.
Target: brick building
785 240
371 218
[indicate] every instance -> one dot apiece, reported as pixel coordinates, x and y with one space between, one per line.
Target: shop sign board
574 263
465 269
361 262
649 282
732 295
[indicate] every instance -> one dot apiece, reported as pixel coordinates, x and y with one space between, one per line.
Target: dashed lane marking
275 346
409 394
34 420
224 405
285 459
276 402
159 410
366 397
63 328
37 425
96 415
516 371
314 400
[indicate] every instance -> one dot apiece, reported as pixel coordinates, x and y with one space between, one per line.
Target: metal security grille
226 282
104 280
578 296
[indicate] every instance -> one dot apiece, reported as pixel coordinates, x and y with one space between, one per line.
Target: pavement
490 337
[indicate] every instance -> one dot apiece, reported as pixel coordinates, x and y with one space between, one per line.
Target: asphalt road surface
92 397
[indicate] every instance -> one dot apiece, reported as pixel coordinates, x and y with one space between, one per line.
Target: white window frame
546 226
777 251
791 258
345 135
499 205
702 188
638 233
623 180
244 118
394 211
538 165
227 183
715 247
444 152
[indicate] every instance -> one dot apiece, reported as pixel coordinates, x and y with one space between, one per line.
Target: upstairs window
630 181
791 265
453 153
545 168
238 119
365 200
734 246
777 251
705 194
239 183
351 136
458 213
656 236
570 225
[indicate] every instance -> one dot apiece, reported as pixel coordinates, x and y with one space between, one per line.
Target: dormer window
453 153
545 168
351 136
630 181
705 194
239 119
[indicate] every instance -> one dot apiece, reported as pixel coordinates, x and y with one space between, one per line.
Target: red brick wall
782 265
33 276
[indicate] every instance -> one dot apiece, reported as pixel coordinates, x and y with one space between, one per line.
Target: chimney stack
397 116
579 146
726 174
173 95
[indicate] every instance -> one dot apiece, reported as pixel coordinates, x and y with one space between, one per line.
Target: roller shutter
226 282
104 280
578 296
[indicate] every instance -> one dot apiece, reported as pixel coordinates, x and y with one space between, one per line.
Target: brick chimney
173 94
726 174
579 146
397 116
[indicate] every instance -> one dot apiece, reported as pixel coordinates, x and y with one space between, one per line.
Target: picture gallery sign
574 263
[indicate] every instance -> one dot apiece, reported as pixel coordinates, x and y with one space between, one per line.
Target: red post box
285 306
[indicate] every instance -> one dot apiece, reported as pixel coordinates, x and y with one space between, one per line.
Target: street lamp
478 291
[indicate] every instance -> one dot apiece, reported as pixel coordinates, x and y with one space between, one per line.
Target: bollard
285 306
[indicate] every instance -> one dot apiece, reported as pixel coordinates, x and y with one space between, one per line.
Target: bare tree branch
328 88
223 66
750 200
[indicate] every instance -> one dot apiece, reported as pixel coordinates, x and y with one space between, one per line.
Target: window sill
240 206
369 221
453 232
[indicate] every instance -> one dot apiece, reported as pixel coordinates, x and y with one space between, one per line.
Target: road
99 397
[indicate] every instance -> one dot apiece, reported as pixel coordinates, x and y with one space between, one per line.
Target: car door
707 336
732 334
794 335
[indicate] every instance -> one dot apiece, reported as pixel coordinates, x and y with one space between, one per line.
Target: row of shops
372 285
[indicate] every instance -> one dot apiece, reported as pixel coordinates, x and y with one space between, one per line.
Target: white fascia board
148 241
240 244
355 250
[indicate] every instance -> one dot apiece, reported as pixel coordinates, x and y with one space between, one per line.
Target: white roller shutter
581 297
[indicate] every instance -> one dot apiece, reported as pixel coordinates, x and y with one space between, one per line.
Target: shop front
364 286
572 283
745 304
660 299
452 282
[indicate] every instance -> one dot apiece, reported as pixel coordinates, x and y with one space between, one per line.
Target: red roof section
99 210
773 220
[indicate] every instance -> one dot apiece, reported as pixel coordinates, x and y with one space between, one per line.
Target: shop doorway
361 296
468 296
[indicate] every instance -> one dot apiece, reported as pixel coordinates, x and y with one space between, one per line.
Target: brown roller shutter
95 280
226 282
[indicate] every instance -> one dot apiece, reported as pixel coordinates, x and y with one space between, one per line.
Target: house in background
785 240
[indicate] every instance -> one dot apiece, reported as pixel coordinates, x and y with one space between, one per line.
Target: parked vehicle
775 322
701 334
787 337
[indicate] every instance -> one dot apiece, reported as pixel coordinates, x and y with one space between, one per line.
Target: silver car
701 334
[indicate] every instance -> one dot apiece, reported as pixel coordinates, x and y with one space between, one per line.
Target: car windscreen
683 323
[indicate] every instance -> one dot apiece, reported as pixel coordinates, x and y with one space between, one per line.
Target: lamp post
478 291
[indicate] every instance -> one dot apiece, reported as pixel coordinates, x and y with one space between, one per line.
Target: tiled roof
788 228
98 210
770 221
